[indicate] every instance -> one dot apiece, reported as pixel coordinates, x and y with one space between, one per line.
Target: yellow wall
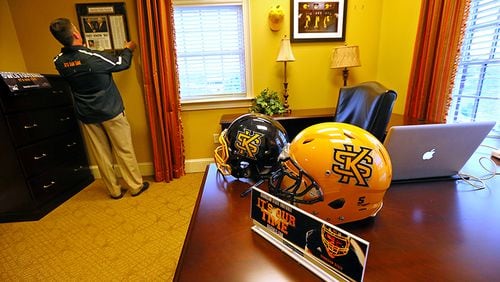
310 75
11 57
384 30
397 39
32 19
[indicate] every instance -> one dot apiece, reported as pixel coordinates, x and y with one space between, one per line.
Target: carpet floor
91 237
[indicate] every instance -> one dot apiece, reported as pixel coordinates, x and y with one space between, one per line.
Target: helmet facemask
293 184
221 155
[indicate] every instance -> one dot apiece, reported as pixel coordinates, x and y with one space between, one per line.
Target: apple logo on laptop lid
428 155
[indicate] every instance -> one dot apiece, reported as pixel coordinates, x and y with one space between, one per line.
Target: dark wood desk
425 232
293 122
298 120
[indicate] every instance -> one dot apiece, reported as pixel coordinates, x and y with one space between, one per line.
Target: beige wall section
384 30
11 57
397 39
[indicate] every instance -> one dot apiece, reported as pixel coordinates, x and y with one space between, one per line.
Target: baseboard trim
147 169
197 165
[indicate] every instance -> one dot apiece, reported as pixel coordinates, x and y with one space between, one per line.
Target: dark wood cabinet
43 161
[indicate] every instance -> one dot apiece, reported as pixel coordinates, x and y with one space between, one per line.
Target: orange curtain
435 58
156 41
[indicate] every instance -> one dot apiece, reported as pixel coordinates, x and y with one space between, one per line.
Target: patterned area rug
94 238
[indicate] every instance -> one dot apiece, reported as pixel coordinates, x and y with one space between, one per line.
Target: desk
297 120
425 232
294 121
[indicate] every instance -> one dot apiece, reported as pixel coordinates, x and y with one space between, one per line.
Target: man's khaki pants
113 138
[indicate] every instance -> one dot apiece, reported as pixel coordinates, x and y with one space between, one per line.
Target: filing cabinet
43 161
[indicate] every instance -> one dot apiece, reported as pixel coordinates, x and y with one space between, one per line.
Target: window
476 94
212 50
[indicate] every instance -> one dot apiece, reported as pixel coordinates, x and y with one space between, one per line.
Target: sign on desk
328 251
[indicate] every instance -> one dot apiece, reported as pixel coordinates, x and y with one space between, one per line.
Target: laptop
433 152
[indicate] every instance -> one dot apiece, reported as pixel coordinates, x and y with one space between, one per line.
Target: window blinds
475 94
210 51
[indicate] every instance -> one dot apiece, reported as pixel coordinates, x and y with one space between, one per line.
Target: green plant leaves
268 102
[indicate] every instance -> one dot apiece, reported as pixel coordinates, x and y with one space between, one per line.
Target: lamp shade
345 57
285 54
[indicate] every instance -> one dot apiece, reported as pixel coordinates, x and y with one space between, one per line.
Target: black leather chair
367 105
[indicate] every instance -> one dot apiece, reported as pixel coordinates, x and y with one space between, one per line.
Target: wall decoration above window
314 21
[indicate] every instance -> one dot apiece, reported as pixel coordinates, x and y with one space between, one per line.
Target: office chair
367 105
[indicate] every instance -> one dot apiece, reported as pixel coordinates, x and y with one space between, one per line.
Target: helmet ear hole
244 165
337 204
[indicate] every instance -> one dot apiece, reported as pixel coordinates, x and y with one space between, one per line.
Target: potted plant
268 102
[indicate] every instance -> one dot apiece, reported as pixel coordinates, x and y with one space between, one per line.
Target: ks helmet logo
353 165
248 143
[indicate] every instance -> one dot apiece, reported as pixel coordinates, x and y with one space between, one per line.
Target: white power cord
479 182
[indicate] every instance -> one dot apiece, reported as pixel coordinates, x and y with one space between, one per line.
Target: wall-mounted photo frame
103 25
316 21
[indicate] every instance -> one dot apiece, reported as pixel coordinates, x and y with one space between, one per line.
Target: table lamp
345 57
285 55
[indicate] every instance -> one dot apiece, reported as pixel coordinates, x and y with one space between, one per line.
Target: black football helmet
250 146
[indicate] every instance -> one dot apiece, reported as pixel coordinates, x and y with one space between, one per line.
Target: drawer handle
70 145
30 126
78 169
49 185
65 119
39 157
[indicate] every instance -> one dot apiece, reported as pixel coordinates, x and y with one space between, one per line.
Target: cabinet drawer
32 126
44 155
58 95
59 179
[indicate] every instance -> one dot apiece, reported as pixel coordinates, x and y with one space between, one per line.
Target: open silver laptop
431 152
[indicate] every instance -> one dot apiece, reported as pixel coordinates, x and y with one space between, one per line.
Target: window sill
196 105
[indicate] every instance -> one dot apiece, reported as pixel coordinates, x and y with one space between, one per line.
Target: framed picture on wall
103 25
316 21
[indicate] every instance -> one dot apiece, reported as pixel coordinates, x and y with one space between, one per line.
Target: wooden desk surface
425 232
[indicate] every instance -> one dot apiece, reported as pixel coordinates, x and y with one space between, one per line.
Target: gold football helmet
336 171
